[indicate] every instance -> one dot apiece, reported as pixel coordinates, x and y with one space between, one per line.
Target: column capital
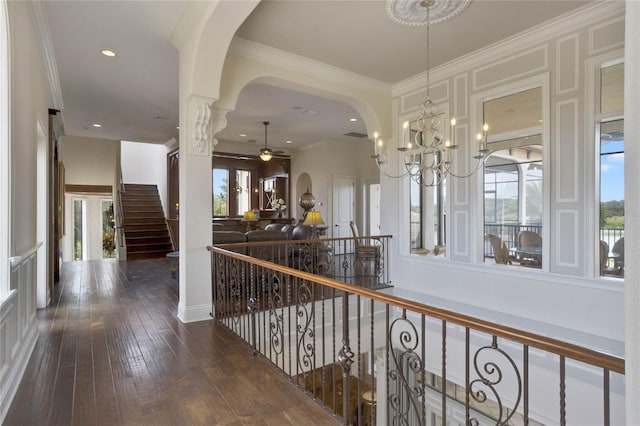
199 133
218 124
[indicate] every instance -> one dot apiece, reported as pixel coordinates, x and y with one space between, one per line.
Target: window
427 208
513 199
234 185
220 192
108 230
610 136
243 191
79 229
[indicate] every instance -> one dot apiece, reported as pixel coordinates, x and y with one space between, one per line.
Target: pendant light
265 153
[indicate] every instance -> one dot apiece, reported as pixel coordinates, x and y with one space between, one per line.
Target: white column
203 121
632 209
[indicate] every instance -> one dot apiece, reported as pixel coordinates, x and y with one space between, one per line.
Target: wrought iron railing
371 357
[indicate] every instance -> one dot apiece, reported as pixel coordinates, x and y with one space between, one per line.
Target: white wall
567 292
89 161
30 99
354 160
145 163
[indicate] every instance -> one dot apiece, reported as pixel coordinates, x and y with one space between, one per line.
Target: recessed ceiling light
289 142
353 119
242 135
309 112
97 125
107 52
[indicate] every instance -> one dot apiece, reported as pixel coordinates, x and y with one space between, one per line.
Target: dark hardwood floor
111 351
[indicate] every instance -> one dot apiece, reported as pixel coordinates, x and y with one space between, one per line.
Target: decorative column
197 140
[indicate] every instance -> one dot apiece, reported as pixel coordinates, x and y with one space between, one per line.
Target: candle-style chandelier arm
424 151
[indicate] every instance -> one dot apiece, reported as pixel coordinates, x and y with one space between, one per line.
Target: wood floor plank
111 351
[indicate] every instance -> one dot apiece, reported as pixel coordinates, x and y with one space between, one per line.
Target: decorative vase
279 213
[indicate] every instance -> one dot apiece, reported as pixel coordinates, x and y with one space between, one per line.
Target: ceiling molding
48 55
570 22
279 58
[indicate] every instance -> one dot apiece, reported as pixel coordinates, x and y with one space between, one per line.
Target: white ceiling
135 95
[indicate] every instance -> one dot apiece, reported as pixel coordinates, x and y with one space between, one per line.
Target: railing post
345 357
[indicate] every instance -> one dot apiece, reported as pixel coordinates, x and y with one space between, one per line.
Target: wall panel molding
567 150
567 60
566 238
461 224
439 93
460 97
511 68
606 36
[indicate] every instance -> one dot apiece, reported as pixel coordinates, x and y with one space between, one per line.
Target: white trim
5 147
48 55
303 65
592 156
194 313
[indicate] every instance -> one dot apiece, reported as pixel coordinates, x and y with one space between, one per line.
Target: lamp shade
314 218
249 217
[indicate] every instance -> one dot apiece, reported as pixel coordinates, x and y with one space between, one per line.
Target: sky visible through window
612 171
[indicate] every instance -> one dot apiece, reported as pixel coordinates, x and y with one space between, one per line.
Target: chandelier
265 153
426 155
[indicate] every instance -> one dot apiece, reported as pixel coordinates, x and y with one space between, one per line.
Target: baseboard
17 371
194 313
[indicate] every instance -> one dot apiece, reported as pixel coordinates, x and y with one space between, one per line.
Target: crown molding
591 14
279 58
48 55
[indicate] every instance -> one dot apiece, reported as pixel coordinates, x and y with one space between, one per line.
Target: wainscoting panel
18 326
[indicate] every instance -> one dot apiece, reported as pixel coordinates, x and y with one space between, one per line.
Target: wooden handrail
579 353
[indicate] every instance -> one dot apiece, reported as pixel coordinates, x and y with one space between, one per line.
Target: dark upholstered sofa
278 232
279 253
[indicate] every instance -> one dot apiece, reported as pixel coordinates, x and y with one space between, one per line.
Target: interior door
343 205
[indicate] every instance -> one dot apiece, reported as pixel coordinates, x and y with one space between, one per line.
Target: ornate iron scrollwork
305 314
490 375
276 325
406 394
